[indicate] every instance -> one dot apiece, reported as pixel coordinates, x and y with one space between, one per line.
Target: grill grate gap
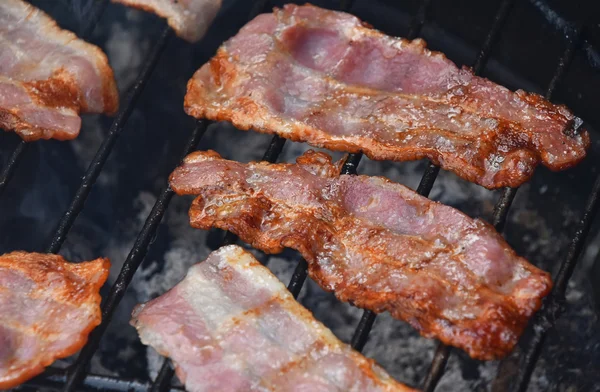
76 374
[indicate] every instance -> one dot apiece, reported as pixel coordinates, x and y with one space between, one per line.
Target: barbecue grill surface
540 226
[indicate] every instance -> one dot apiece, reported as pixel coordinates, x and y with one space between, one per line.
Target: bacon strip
326 78
48 76
230 325
48 307
374 243
189 18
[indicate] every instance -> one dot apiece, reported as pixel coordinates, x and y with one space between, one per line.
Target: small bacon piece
48 76
230 325
48 307
324 77
189 18
374 243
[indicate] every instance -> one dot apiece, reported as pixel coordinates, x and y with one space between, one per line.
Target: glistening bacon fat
326 78
230 325
374 243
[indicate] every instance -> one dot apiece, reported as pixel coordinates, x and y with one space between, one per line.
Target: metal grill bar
298 278
501 209
11 165
502 206
163 380
437 367
77 371
75 376
553 307
105 149
55 379
19 151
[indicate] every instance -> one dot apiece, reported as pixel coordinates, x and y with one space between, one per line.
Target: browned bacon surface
230 325
48 307
326 78
189 18
48 76
374 243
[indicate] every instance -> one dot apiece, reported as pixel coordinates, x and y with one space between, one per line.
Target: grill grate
546 317
76 375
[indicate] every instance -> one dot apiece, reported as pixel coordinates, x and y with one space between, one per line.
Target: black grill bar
428 179
275 148
11 165
105 149
363 329
553 307
502 206
573 44
298 278
501 209
361 333
351 163
94 16
77 371
437 367
163 380
75 377
492 36
54 379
